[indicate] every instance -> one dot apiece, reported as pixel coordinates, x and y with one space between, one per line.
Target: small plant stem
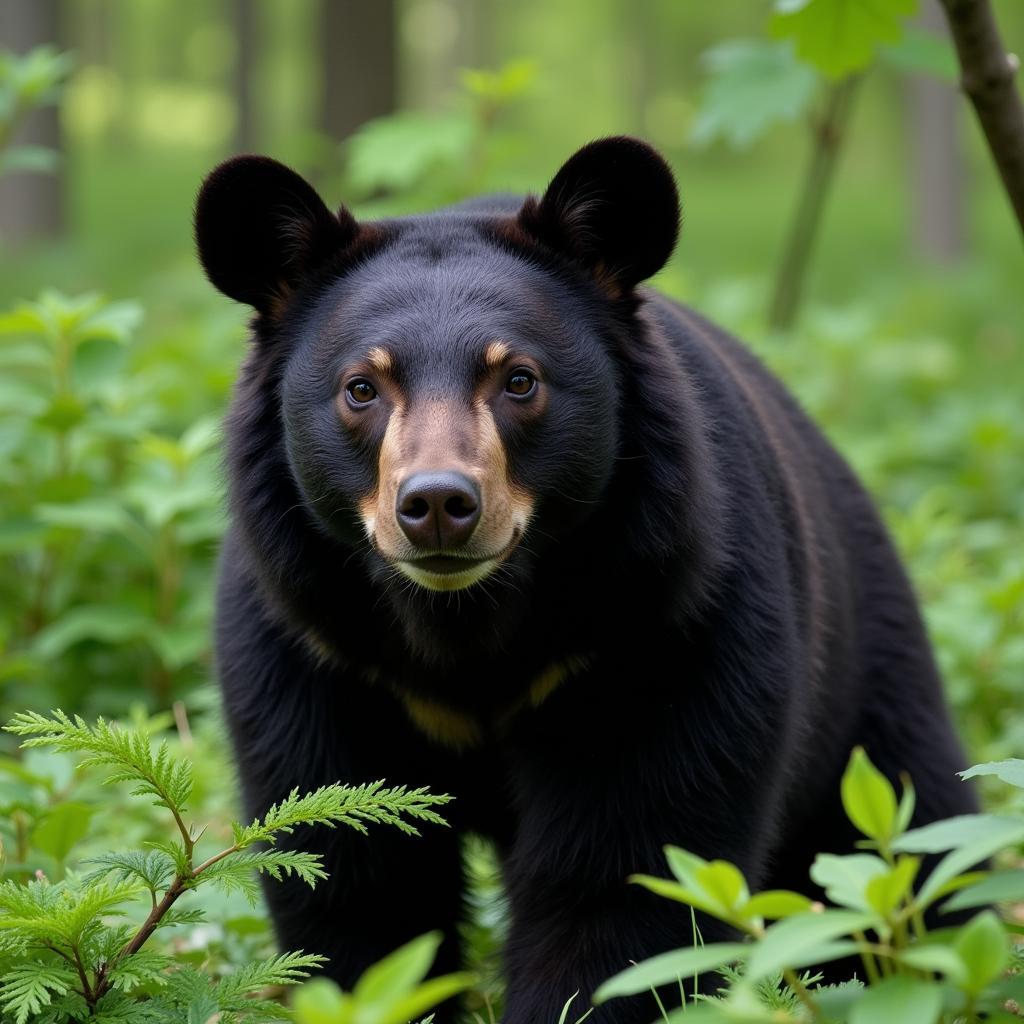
89 994
828 132
868 958
794 982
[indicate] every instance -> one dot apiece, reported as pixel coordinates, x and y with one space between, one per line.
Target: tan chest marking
461 731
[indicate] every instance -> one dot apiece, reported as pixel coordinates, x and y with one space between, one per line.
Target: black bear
507 526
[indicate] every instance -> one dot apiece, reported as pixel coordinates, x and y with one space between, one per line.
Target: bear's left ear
613 207
261 228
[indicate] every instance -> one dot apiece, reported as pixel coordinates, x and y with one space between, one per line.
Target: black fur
743 617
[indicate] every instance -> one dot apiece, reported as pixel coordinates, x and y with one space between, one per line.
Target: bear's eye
360 391
521 383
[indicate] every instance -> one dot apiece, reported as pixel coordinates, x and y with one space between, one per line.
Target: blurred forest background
903 339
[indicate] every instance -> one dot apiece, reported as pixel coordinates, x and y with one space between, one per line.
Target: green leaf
933 957
111 624
683 864
868 796
845 877
398 151
28 988
321 1002
752 84
399 971
679 893
983 945
668 967
840 36
62 827
899 1001
998 887
776 903
886 892
425 997
972 838
724 883
1010 771
789 943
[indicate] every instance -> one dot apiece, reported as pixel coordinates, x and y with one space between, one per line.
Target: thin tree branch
988 76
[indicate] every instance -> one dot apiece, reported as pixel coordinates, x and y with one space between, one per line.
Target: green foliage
392 991
839 37
914 976
442 157
107 521
28 81
76 947
752 84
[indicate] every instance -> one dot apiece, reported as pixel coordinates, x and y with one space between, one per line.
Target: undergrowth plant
911 973
76 948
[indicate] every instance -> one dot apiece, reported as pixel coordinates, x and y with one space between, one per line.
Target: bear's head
450 390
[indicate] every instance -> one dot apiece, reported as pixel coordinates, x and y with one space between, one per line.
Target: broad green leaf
868 796
776 903
941 959
668 967
983 945
112 624
840 36
999 887
964 830
400 971
414 1004
886 892
321 1002
752 84
679 893
1010 771
683 864
899 1000
972 838
62 827
397 151
845 877
724 883
789 942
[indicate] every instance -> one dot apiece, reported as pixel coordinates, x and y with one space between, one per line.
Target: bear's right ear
260 228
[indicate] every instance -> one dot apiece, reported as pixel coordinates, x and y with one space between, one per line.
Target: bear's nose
439 509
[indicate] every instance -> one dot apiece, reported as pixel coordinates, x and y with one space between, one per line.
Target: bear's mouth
454 572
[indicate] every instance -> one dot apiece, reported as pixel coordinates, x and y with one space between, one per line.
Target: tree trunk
988 76
31 204
937 165
359 44
244 22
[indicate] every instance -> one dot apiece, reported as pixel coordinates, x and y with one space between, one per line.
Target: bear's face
452 394
438 400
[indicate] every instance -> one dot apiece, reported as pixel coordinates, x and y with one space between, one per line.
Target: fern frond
288 969
350 805
235 873
153 868
145 967
128 752
28 988
60 913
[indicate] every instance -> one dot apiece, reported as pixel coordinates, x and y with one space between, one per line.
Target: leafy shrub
913 975
78 946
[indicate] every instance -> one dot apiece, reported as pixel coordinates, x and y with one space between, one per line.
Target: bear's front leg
298 724
599 803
